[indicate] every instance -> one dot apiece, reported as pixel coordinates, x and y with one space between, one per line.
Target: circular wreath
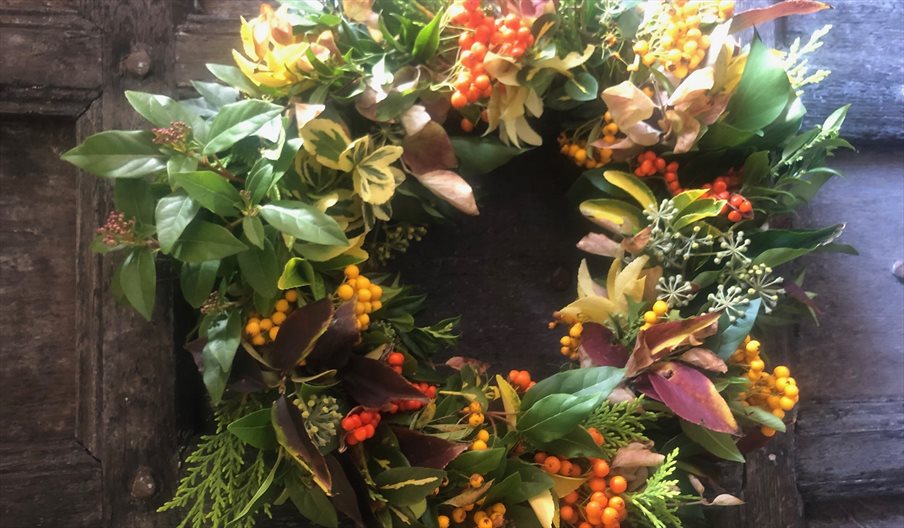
283 194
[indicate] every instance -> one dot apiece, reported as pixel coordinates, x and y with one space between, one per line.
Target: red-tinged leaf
343 495
705 359
660 340
755 17
597 344
636 454
800 295
415 119
429 150
437 105
636 244
299 333
352 471
425 450
335 345
452 188
458 362
692 396
373 383
598 244
292 436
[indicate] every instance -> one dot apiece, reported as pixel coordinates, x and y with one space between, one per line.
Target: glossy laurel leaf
292 436
118 154
633 186
614 215
299 333
578 382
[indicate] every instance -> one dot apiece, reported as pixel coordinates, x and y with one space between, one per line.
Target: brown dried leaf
598 244
705 359
429 150
636 454
452 188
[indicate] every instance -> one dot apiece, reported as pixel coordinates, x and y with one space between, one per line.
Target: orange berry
597 436
273 332
600 468
540 457
618 484
571 498
292 296
593 509
565 468
459 100
568 514
610 516
597 484
617 502
345 292
552 464
467 125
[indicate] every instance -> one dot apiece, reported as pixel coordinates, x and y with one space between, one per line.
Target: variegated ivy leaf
374 178
327 140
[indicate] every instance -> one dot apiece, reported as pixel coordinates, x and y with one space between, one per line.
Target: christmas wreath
282 194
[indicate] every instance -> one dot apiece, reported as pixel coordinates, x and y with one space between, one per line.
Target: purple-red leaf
425 450
343 495
374 384
658 341
761 15
292 436
429 150
691 395
597 344
335 345
299 333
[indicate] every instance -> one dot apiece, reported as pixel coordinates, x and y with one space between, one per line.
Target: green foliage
660 498
621 423
221 476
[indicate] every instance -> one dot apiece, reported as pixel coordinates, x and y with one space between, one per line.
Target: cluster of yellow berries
776 392
682 46
261 331
655 315
474 412
366 293
590 158
480 441
571 342
492 517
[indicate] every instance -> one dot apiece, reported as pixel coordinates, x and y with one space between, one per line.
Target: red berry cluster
650 164
737 207
520 379
509 35
360 425
117 230
413 405
175 135
396 360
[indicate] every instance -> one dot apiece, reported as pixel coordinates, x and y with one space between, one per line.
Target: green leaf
304 222
196 281
202 241
253 229
578 382
255 429
216 94
138 278
757 415
478 156
260 181
808 239
159 110
297 272
577 443
133 197
478 461
314 505
173 214
427 41
210 190
582 87
260 268
720 444
730 334
234 77
118 154
763 91
699 210
223 336
326 140
405 486
237 121
556 415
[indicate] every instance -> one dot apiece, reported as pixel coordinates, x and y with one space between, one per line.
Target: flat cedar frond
621 423
219 481
660 498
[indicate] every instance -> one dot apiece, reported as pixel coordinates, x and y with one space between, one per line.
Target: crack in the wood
88 451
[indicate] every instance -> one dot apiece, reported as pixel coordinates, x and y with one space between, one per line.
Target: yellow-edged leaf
589 309
327 141
564 485
633 186
615 214
510 401
546 508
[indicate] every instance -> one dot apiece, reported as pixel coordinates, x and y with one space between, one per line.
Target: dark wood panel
37 278
864 512
52 484
55 67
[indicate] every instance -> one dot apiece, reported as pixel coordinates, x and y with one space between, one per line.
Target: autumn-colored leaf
660 340
373 383
598 344
429 150
452 188
692 396
427 450
755 17
292 436
458 362
334 346
299 333
636 454
705 359
598 244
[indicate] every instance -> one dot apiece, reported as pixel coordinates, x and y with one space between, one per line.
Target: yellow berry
476 481
360 308
781 371
352 271
345 292
252 328
791 391
258 340
376 292
767 431
757 364
778 413
576 330
362 283
474 407
780 384
282 305
478 445
650 317
483 434
278 318
753 346
363 320
565 351
266 324
660 308
476 419
565 341
364 295
292 296
376 305
580 156
786 403
273 332
459 514
753 375
774 402
498 508
485 522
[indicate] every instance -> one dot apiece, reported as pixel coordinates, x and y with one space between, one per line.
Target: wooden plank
861 512
204 39
864 441
45 41
52 484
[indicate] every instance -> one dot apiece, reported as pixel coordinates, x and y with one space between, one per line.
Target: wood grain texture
864 512
42 73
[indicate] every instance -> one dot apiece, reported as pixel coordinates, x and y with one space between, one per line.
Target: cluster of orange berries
682 46
776 392
510 35
657 314
737 207
651 164
492 517
474 412
261 331
572 342
360 425
412 405
366 293
520 380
